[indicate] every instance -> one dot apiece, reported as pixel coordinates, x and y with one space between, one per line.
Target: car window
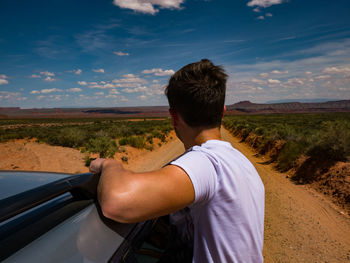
82 238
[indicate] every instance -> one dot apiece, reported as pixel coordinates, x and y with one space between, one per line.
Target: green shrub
72 137
124 158
290 152
105 146
333 142
324 136
134 141
88 160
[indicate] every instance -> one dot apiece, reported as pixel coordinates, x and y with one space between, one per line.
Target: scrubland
301 225
313 148
102 136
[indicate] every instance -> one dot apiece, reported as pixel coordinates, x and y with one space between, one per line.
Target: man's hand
96 165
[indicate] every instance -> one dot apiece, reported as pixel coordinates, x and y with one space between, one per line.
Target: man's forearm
113 183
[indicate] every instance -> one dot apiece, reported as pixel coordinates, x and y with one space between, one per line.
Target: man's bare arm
129 197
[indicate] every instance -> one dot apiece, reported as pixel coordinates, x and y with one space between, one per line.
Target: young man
218 187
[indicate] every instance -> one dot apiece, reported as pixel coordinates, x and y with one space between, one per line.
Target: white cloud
268 15
47 73
41 97
296 81
257 10
78 72
114 91
35 92
130 78
74 90
148 6
120 53
99 93
134 90
3 81
336 70
159 72
273 81
12 96
82 83
279 72
323 77
100 70
108 86
261 17
264 3
55 97
123 98
102 86
142 97
317 58
50 90
49 79
111 96
35 76
259 81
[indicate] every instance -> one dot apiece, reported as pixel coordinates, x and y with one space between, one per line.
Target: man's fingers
95 166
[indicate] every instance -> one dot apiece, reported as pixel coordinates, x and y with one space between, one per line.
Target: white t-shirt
228 211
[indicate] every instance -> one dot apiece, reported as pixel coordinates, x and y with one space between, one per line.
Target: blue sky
62 53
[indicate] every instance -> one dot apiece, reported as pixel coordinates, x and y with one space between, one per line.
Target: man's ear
224 111
174 117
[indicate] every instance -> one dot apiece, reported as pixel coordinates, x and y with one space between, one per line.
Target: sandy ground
31 156
300 224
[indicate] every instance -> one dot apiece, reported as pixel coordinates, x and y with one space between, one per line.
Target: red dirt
32 156
301 225
329 178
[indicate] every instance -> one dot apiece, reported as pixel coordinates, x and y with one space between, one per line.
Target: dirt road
300 226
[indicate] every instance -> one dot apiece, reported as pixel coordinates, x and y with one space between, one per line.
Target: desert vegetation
288 136
313 148
103 136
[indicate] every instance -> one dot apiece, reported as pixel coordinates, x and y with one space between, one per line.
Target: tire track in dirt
300 224
158 158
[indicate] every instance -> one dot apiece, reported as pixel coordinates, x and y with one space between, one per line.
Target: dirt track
300 225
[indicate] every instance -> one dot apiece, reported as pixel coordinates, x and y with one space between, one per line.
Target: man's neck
198 136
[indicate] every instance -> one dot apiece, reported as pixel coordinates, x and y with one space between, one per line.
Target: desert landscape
242 107
301 224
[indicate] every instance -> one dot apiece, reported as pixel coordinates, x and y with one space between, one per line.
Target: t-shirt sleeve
201 172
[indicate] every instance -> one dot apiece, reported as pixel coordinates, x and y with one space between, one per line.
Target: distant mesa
289 107
91 112
242 107
112 111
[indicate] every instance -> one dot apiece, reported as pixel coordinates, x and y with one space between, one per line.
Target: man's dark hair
197 93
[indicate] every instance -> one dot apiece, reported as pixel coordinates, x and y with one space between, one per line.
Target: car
54 217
